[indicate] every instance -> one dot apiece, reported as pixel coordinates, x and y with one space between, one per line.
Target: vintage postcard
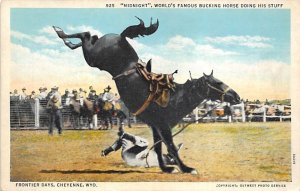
150 95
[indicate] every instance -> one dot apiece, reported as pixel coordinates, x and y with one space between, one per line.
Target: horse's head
217 90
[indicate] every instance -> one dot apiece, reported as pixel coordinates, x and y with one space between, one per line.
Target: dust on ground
219 152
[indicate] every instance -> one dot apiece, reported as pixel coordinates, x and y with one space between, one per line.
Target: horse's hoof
175 170
171 170
190 171
59 32
194 172
57 28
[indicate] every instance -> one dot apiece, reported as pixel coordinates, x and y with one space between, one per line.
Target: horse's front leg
166 136
157 149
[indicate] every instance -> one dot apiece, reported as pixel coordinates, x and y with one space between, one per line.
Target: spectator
55 106
49 95
91 92
66 98
82 93
40 90
107 96
32 95
16 93
92 95
15 96
75 95
42 94
66 95
227 112
23 95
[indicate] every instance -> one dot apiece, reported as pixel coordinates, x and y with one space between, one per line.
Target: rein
182 129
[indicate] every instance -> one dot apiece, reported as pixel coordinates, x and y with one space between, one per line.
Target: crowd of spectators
79 94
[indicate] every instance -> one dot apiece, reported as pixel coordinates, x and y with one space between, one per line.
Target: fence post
243 112
265 114
36 113
196 115
95 119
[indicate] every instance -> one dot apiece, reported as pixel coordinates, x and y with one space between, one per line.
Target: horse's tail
140 29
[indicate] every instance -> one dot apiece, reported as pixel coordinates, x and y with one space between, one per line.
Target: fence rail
32 113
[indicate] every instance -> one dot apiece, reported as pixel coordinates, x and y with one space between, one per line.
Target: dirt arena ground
219 151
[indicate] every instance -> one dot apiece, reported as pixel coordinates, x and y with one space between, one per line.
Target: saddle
160 87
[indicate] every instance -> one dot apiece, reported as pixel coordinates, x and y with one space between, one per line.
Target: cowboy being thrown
135 151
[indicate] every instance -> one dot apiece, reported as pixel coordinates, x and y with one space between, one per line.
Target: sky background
248 49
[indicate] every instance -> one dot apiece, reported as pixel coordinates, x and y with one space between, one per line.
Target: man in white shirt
135 151
43 93
23 95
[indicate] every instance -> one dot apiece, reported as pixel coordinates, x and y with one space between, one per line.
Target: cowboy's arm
49 105
114 147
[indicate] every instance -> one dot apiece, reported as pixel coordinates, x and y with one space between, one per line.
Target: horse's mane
184 99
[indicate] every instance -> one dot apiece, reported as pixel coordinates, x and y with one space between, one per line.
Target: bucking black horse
114 54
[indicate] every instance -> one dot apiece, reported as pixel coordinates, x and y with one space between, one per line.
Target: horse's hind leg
71 45
61 34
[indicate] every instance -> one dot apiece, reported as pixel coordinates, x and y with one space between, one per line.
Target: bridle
222 92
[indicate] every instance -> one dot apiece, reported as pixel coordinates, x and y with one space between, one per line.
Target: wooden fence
32 113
